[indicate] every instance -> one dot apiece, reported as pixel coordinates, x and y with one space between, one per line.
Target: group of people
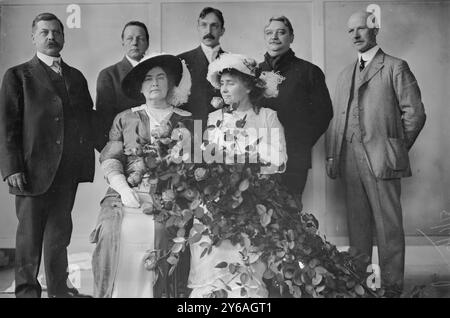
47 138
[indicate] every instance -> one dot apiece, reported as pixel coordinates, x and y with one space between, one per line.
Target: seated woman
124 233
241 87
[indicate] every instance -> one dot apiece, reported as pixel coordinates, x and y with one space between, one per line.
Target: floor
425 268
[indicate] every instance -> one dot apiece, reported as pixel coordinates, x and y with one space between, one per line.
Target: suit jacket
391 114
303 105
31 125
199 102
110 98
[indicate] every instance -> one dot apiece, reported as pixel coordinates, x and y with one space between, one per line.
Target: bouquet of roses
236 202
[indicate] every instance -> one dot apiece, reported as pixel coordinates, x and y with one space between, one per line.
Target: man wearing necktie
210 29
47 149
379 114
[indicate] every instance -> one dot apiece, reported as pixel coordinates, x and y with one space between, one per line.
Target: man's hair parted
46 16
217 12
284 20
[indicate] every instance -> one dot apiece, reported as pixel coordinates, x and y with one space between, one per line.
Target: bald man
379 114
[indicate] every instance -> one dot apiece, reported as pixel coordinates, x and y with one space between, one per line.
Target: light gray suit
386 111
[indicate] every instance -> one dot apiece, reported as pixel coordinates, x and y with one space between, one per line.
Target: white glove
128 196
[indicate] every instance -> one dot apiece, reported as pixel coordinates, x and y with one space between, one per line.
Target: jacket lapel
124 68
201 57
66 71
346 83
40 74
374 67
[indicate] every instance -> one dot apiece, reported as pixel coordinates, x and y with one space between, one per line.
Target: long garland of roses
235 202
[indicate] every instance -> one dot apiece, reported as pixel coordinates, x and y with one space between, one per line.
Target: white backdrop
416 31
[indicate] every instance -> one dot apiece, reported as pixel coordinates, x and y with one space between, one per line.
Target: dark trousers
374 207
295 181
44 222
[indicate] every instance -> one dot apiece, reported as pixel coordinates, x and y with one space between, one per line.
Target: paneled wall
414 30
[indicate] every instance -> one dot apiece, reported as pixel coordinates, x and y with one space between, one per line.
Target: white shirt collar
47 59
210 52
133 62
368 55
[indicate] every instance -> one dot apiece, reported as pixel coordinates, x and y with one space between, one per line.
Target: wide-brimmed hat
174 66
246 65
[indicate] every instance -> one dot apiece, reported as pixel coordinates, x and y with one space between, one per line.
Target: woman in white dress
124 233
241 87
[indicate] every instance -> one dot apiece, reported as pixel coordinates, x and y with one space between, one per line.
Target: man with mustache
303 103
47 149
210 28
110 98
379 114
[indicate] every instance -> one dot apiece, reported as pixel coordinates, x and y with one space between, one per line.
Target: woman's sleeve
277 142
112 155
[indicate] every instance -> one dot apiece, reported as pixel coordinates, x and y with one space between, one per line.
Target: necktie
214 55
362 64
56 66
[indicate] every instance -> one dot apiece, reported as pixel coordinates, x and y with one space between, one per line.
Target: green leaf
317 279
309 289
187 215
176 248
319 289
199 212
179 240
199 227
222 265
171 270
181 233
232 268
244 278
172 260
359 290
243 186
194 204
204 252
297 292
170 222
320 270
243 292
314 262
261 209
350 284
196 238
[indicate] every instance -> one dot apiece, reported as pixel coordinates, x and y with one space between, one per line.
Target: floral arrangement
235 202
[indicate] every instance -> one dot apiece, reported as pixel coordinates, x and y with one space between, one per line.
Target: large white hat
246 65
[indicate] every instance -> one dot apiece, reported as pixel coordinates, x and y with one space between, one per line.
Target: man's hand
17 180
331 168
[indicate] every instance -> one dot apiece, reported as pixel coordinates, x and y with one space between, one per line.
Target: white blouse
264 126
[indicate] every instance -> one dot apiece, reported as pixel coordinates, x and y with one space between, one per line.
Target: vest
69 166
353 130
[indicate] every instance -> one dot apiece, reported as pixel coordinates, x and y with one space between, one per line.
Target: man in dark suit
210 28
379 116
303 103
45 137
110 98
